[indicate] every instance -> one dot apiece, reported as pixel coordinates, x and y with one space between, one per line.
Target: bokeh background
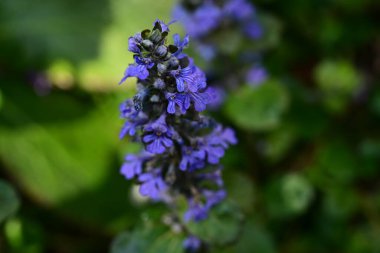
305 175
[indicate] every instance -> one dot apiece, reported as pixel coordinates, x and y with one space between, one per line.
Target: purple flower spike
182 148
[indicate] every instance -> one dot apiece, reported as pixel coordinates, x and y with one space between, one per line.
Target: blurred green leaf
363 240
338 80
9 201
340 202
222 227
375 103
288 196
258 108
64 154
330 31
278 143
1 100
240 190
253 238
272 28
336 162
297 192
43 27
24 236
147 239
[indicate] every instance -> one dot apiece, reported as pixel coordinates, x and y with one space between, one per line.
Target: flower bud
155 36
161 51
147 44
173 62
161 68
159 83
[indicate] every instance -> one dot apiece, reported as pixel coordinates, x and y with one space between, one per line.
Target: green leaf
272 29
338 80
63 152
9 201
44 27
252 238
336 162
259 108
279 143
240 190
147 239
297 192
1 99
221 227
288 196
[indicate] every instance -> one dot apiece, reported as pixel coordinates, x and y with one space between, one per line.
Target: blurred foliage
304 177
258 108
9 202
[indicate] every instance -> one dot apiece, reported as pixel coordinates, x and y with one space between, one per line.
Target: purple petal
167 142
156 147
127 171
171 107
180 84
149 138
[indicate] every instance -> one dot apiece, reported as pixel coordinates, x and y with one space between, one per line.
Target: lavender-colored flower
213 198
140 69
135 119
200 22
135 70
253 29
239 9
216 97
192 159
174 99
182 76
214 177
180 44
205 21
158 136
196 211
152 184
198 99
207 51
134 42
192 244
199 80
256 76
132 166
215 143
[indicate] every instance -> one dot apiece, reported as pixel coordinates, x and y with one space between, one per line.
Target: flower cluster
200 18
219 27
182 148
